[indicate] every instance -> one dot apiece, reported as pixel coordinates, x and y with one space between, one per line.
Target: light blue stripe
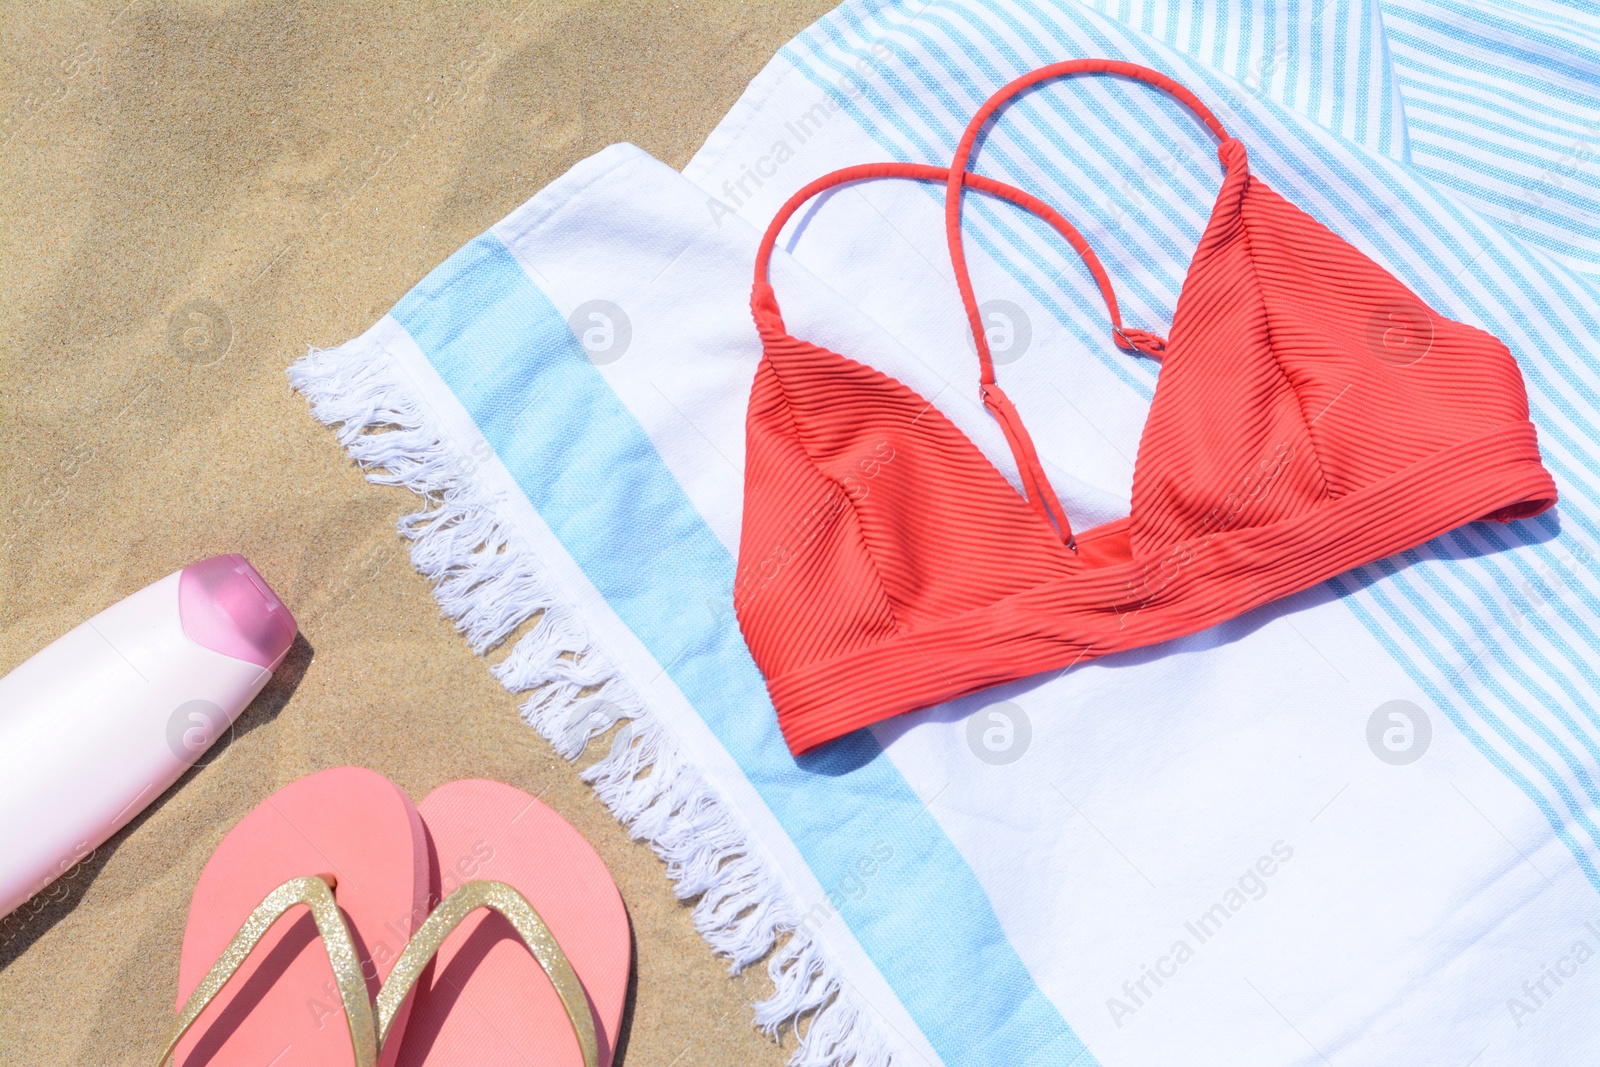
1341 23
1291 86
1363 75
1394 124
588 468
1217 26
1269 55
1317 37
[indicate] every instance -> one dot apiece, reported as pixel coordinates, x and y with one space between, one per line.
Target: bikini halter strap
1035 483
765 303
1128 339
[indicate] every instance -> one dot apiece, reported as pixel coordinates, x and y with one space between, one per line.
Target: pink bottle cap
229 608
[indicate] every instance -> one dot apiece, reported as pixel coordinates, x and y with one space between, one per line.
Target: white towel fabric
1356 827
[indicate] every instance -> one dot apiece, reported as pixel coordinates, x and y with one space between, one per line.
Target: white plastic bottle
99 723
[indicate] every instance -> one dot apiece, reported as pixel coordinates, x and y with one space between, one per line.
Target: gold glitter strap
317 894
534 933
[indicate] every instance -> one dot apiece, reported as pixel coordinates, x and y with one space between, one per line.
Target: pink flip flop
487 1000
253 990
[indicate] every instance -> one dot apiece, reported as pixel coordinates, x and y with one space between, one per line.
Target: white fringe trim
489 581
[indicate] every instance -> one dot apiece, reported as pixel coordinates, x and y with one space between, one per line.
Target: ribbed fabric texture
1311 415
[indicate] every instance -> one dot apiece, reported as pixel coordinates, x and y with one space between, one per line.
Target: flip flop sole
486 1002
283 1007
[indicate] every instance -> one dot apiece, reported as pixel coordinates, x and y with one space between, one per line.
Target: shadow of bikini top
1311 415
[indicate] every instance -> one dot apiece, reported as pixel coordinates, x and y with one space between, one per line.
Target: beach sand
193 193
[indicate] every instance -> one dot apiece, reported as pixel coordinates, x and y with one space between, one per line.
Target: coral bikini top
1311 415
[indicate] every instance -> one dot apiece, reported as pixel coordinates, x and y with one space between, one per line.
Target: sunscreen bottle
100 722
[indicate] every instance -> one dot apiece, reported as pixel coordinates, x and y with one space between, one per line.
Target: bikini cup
886 565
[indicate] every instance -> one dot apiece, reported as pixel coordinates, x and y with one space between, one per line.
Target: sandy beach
193 193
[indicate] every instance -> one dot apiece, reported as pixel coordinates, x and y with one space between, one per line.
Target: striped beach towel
1358 826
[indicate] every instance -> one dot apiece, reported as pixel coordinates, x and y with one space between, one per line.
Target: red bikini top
1311 415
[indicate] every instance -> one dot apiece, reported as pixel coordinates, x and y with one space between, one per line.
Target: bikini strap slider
1136 340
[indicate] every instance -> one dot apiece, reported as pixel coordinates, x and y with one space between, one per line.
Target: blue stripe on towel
589 470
